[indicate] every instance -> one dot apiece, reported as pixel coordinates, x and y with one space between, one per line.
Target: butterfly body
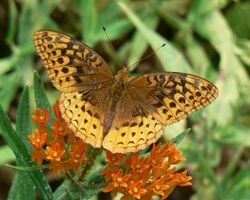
112 111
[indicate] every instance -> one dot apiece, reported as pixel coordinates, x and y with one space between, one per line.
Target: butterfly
112 111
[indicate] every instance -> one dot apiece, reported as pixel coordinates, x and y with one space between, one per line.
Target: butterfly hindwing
133 128
84 113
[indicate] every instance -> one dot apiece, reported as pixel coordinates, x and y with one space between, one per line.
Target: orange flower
114 159
158 187
59 129
61 155
139 165
39 155
170 151
77 155
155 158
119 182
42 119
38 140
135 189
55 155
153 175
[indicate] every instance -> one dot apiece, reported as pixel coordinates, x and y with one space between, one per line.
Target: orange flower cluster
138 177
61 149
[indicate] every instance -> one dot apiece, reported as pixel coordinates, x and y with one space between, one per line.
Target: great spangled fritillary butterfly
110 110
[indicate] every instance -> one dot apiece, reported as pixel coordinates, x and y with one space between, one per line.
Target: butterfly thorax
120 81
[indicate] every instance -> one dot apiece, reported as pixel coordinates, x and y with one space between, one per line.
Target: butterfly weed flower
77 155
145 176
62 150
42 119
119 183
38 141
55 156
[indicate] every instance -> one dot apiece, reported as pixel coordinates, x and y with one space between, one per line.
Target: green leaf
115 29
236 16
169 56
215 29
7 64
239 185
197 55
41 98
243 51
8 90
88 20
203 6
138 41
23 186
6 154
61 191
23 125
179 138
16 144
12 21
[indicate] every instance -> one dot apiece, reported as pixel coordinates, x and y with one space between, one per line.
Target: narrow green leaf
197 55
238 186
236 16
179 138
12 20
88 20
8 90
41 98
169 56
16 144
115 29
23 186
138 41
109 14
203 6
60 192
23 125
7 63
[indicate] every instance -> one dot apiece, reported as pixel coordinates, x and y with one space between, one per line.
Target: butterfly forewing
71 65
173 95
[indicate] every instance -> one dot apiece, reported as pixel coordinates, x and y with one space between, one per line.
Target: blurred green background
209 38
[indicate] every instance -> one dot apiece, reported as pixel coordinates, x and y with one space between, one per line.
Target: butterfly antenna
114 52
147 56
